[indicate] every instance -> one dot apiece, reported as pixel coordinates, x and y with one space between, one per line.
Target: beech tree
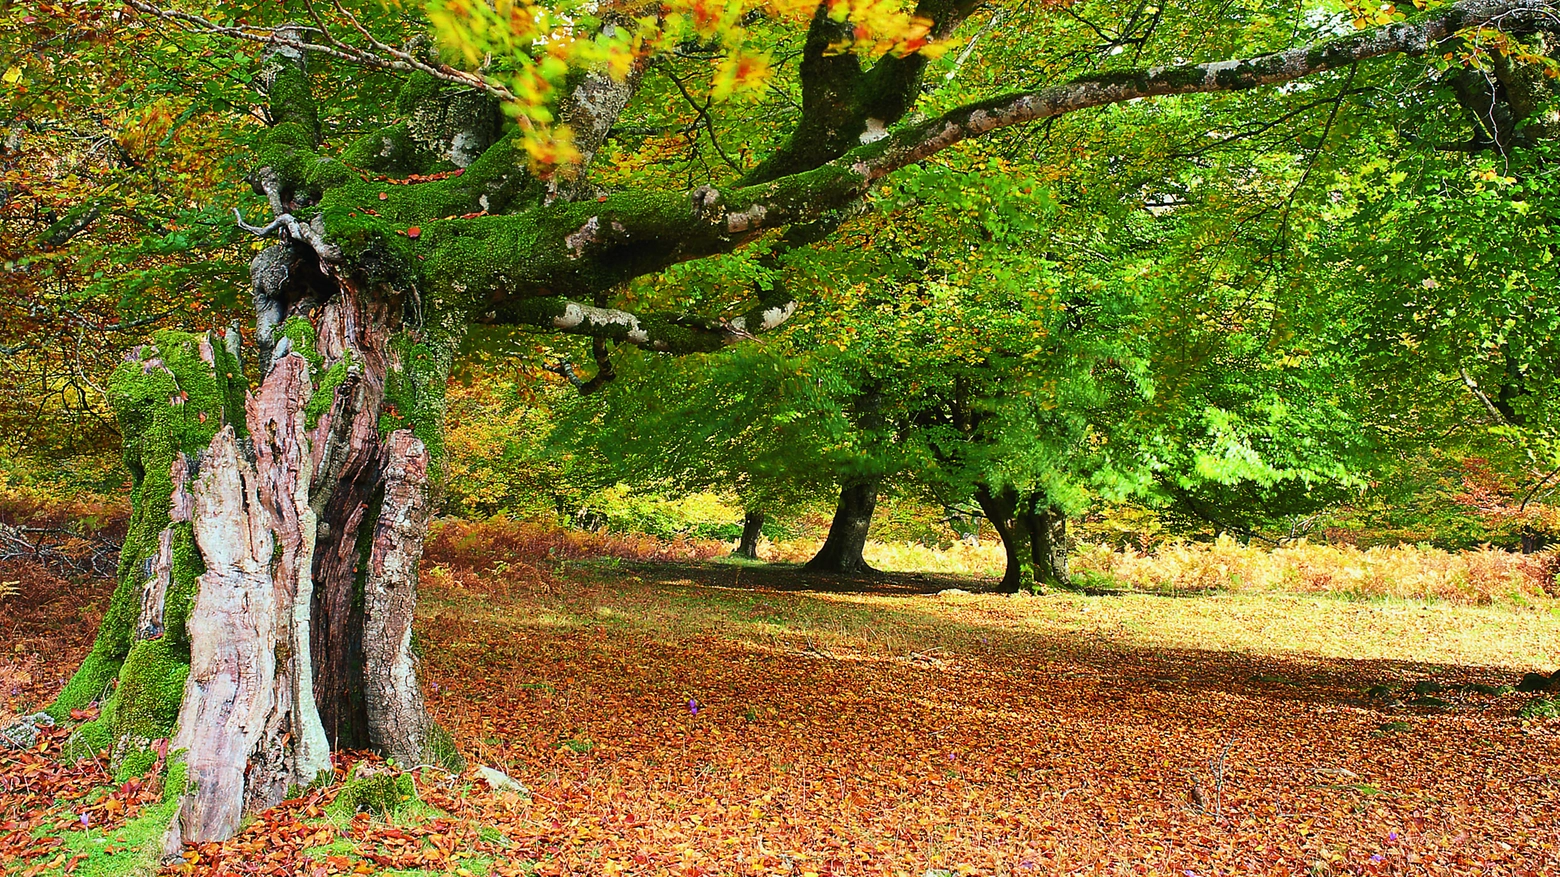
284 474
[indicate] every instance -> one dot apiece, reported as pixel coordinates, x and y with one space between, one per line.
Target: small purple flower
1378 858
1392 836
86 819
693 707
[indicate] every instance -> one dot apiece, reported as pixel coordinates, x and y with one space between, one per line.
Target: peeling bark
229 692
248 723
278 425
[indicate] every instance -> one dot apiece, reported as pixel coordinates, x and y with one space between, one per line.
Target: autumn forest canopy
309 309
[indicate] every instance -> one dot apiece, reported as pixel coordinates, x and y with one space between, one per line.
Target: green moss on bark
169 400
151 686
303 339
180 599
324 395
415 389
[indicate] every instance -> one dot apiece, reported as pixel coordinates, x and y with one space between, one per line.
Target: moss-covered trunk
268 581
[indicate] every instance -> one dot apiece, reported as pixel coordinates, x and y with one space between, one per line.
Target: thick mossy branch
291 104
577 249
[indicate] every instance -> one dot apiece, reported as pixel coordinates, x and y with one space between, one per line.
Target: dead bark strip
232 653
298 747
248 723
397 716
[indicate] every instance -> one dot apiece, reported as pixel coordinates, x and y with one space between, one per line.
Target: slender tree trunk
841 551
752 528
1034 539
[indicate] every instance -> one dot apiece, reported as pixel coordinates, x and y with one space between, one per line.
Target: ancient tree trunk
752 528
841 551
269 579
1034 539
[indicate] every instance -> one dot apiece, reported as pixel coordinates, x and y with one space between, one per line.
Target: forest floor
718 718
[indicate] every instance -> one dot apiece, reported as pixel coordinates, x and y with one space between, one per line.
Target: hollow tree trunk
1034 539
268 583
752 528
841 551
268 580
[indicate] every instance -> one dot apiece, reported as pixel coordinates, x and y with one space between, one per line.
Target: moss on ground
380 792
135 848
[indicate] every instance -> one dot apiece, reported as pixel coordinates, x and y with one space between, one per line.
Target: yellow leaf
12 76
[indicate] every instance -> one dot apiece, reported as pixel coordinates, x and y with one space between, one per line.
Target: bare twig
381 57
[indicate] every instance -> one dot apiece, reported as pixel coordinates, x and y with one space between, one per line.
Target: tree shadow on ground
1127 668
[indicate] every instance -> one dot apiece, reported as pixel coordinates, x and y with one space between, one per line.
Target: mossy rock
376 790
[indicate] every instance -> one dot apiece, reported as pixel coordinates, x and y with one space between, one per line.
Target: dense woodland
293 282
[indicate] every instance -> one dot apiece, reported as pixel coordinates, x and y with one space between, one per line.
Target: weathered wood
248 724
348 459
232 650
397 716
294 749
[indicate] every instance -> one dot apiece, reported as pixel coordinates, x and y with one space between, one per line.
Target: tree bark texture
841 551
752 528
1034 539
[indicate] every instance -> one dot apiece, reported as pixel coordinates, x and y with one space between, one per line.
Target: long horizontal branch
595 246
917 142
667 333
